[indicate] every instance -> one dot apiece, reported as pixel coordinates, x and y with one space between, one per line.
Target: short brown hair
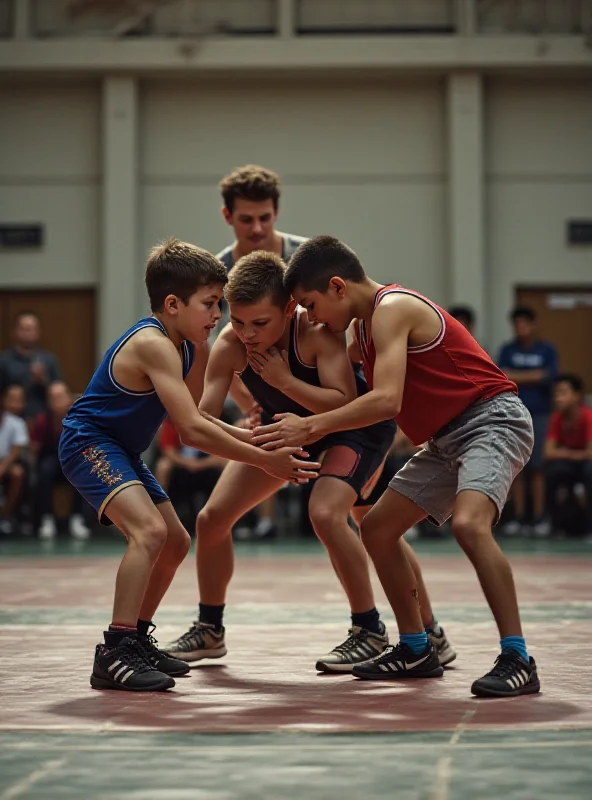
251 183
180 268
255 277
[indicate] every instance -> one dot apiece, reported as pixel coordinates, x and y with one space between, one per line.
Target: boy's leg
175 549
134 513
239 488
330 503
15 483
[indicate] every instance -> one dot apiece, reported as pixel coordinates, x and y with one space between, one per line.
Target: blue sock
416 641
516 643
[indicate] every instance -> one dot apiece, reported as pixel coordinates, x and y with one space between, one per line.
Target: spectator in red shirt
45 436
568 449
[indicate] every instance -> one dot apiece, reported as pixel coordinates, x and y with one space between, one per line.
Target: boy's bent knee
213 523
152 536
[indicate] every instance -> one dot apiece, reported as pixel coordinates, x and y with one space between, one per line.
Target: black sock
143 626
118 632
211 615
369 620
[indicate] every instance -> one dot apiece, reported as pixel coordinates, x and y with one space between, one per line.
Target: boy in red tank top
426 370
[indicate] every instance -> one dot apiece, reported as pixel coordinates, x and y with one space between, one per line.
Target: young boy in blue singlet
155 368
289 364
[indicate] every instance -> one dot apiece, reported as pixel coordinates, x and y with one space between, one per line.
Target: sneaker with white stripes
511 676
126 667
360 645
400 662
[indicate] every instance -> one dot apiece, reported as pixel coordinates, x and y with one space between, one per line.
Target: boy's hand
290 430
282 463
272 367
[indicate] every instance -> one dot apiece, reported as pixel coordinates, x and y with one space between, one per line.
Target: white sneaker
512 528
542 529
47 529
78 527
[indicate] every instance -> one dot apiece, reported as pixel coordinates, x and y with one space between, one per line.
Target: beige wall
50 173
538 175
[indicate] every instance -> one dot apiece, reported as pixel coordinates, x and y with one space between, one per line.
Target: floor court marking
444 765
289 747
18 789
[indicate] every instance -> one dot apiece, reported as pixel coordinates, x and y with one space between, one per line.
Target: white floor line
444 765
19 788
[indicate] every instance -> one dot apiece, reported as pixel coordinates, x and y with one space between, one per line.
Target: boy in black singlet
289 364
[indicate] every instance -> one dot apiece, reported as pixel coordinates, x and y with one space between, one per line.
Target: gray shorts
482 449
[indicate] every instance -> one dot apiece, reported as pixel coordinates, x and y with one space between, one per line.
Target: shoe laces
354 638
195 633
132 654
506 664
150 646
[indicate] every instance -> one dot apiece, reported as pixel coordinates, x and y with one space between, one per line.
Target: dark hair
24 313
318 260
523 312
256 276
576 383
250 182
180 268
462 312
9 387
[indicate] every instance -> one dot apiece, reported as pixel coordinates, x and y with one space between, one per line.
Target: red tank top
443 377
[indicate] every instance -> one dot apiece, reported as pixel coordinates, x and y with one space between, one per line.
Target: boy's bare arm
390 332
160 362
337 387
218 380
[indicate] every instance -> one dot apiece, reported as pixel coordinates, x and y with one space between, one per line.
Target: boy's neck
175 337
277 247
572 413
363 295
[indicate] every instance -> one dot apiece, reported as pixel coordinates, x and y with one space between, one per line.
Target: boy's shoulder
228 348
315 335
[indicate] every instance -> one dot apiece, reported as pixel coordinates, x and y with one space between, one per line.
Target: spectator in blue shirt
532 364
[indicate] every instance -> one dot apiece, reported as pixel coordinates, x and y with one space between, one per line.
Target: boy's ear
338 285
171 304
291 308
227 215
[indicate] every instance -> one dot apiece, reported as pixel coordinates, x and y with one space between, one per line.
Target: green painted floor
478 766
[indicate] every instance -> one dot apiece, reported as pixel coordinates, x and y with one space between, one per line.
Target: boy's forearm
242 434
317 399
210 438
361 412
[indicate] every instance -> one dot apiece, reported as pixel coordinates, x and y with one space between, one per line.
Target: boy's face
14 400
260 325
524 327
252 223
330 308
565 396
197 318
59 399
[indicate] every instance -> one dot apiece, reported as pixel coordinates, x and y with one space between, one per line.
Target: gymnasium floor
261 724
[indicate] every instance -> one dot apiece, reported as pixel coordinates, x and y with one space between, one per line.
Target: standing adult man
26 365
251 196
532 364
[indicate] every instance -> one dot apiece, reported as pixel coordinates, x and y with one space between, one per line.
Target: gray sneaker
441 645
200 641
359 646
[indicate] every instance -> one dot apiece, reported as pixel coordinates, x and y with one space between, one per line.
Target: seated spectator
465 315
532 364
568 449
45 437
14 439
184 473
27 365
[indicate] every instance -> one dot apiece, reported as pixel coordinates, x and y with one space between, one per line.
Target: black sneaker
444 650
126 667
160 660
511 676
202 640
399 662
359 646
